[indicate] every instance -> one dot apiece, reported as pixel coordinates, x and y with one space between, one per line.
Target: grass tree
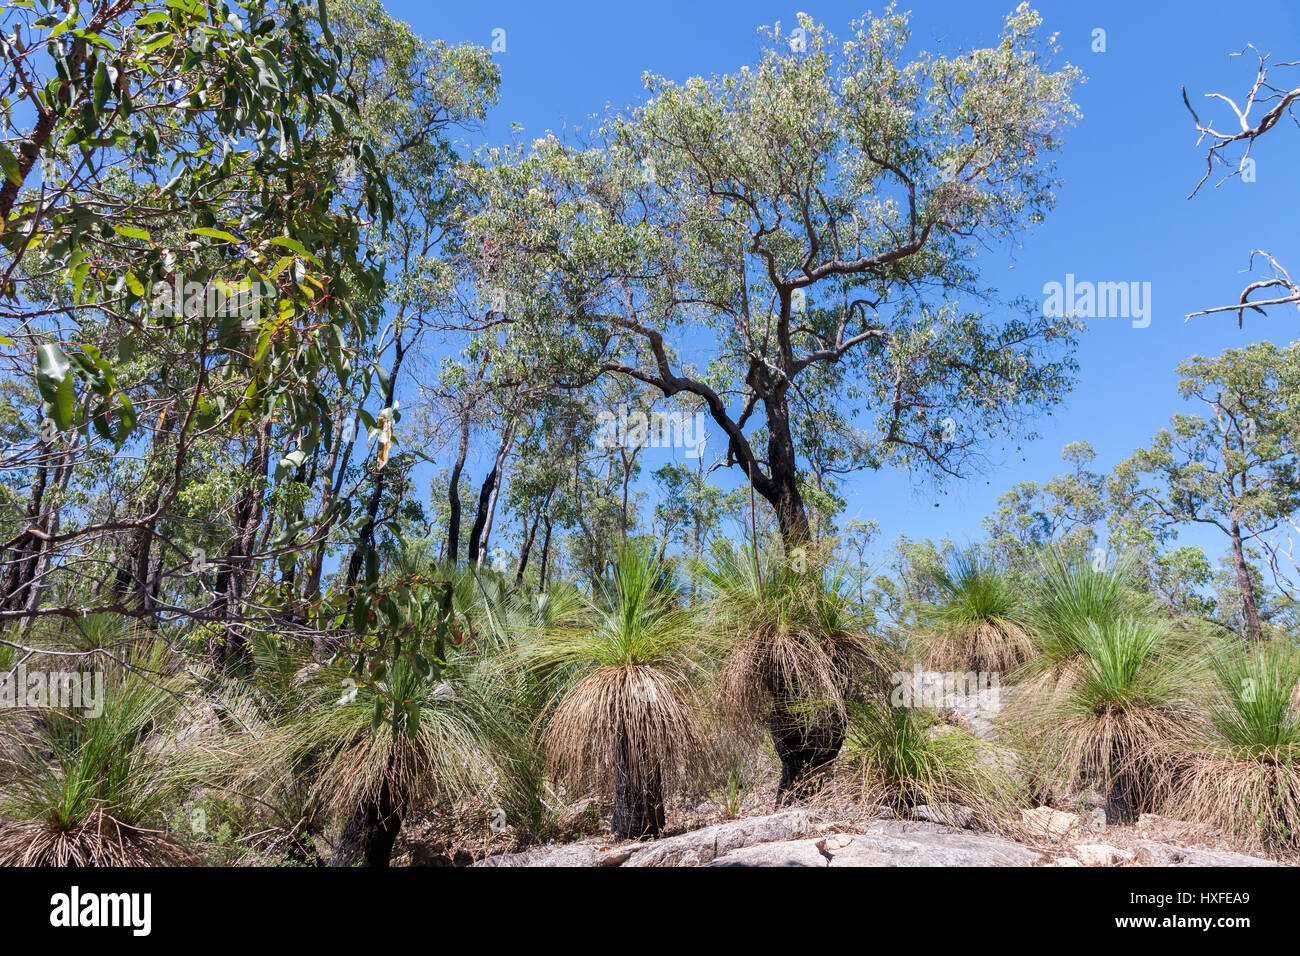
1241 774
1073 595
978 622
904 757
373 750
1130 692
86 788
791 646
623 720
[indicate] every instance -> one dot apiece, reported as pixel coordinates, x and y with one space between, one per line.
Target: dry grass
977 622
992 646
632 719
98 841
1104 718
1252 799
1240 773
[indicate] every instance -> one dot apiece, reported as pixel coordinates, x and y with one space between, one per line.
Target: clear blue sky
1122 214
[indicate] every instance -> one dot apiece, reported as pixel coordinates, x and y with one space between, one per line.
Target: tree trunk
21 561
1249 608
335 464
133 572
546 554
366 539
229 646
504 450
370 833
784 494
487 499
526 548
480 517
638 811
805 744
453 493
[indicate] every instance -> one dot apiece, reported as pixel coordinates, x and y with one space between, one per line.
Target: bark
480 518
805 745
531 535
638 810
782 492
487 499
546 554
229 646
1249 606
21 561
50 520
453 493
370 833
134 571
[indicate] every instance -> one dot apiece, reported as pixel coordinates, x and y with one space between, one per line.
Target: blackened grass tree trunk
371 831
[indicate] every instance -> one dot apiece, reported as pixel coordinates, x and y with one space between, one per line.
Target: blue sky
1122 215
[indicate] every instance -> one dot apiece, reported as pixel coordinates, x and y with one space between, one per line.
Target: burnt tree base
370 833
638 812
805 748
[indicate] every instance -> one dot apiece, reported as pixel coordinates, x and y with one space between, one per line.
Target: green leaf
214 234
131 232
295 246
102 86
51 369
9 163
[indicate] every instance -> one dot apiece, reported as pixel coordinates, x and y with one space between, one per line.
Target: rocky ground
705 834
807 838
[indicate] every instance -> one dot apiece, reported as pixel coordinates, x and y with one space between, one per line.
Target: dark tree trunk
783 493
638 810
1249 606
546 554
527 547
370 833
806 744
524 549
453 493
480 518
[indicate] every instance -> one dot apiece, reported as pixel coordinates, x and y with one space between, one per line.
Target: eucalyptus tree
820 208
178 260
1235 468
1064 512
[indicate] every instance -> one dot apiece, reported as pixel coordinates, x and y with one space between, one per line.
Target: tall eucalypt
813 216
